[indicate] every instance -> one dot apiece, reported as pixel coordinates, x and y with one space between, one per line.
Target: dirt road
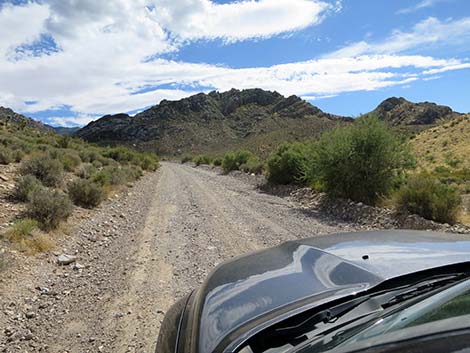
138 254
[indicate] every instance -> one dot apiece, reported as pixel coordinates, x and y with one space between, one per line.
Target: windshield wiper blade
309 327
423 287
325 316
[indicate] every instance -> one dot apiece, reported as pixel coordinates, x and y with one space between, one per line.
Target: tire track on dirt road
176 226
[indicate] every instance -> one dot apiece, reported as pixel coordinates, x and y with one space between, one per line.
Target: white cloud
12 24
71 121
458 66
426 33
420 5
107 54
198 19
431 78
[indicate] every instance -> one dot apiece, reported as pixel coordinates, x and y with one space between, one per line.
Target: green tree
287 164
362 161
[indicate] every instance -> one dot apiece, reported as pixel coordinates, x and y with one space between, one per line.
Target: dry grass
444 145
26 237
464 218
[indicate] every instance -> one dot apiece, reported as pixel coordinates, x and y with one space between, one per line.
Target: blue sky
68 62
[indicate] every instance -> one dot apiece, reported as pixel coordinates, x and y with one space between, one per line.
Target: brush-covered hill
215 122
444 150
9 117
402 113
445 143
255 119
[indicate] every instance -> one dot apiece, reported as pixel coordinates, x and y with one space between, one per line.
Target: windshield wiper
383 299
423 287
308 327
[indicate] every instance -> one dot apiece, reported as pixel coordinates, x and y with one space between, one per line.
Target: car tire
166 342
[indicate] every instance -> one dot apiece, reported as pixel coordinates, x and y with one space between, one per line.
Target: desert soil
140 252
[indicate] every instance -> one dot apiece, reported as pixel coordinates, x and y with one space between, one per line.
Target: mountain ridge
236 118
253 118
214 121
8 116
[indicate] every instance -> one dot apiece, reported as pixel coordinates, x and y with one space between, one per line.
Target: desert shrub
120 154
17 155
97 164
233 160
25 186
361 162
186 159
49 171
253 165
85 170
202 159
148 161
287 164
23 228
70 160
85 193
217 162
54 153
64 141
49 207
448 176
428 197
6 155
89 155
116 175
229 162
26 236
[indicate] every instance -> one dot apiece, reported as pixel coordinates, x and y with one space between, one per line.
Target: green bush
253 165
70 160
229 162
202 159
89 155
23 228
49 171
287 164
25 186
233 160
64 141
6 155
361 162
49 207
120 154
18 155
186 159
428 197
148 162
116 175
86 170
217 162
85 193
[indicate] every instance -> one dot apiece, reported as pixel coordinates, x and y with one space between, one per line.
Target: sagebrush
426 196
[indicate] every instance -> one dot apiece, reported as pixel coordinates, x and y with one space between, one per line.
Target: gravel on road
109 286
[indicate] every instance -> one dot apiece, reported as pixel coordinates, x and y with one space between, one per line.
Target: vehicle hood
246 292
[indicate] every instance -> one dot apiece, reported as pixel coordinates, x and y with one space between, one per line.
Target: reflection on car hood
253 289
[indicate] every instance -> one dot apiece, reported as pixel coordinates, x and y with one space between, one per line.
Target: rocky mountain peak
399 111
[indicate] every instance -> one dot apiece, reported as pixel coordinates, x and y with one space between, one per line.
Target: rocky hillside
255 119
445 145
401 112
9 117
215 122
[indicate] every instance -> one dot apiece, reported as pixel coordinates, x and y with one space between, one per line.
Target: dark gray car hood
253 291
